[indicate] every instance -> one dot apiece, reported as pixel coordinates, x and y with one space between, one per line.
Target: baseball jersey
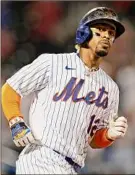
70 102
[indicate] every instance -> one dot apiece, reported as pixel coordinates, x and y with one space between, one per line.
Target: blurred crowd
30 28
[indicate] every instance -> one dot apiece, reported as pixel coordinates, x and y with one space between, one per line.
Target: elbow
9 95
4 88
10 102
4 92
4 96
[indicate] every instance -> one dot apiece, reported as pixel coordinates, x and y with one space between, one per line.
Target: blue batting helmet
94 16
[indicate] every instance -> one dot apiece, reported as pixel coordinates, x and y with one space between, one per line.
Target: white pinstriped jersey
70 102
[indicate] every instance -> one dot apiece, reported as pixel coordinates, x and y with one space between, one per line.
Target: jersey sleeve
32 77
111 111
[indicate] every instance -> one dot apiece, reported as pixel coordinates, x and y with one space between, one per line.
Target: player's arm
30 78
111 130
106 136
11 100
100 139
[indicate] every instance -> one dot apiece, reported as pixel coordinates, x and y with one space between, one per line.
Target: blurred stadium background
29 28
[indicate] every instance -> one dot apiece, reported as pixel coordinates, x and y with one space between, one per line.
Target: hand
117 129
21 133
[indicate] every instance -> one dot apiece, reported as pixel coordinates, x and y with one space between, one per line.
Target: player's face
102 40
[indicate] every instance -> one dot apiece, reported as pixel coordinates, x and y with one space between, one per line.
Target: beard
101 50
101 53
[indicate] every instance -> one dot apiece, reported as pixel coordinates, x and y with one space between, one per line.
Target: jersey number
93 125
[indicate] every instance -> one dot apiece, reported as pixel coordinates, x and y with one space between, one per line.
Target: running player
75 104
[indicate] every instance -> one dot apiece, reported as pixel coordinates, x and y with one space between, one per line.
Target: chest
73 84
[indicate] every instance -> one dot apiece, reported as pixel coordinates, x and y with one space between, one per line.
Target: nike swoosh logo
69 68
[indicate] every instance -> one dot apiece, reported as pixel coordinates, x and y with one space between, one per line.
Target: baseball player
75 102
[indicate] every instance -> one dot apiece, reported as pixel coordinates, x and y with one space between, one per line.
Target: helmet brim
120 29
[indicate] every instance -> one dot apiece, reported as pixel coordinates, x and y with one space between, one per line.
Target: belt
70 161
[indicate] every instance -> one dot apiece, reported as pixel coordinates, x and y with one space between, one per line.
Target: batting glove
21 133
117 129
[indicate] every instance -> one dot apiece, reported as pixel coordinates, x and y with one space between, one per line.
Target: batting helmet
94 16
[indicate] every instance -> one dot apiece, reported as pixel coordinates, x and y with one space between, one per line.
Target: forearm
10 102
100 139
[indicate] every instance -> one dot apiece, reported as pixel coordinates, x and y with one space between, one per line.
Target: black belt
70 161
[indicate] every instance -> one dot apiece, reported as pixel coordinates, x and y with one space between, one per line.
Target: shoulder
58 56
51 58
63 55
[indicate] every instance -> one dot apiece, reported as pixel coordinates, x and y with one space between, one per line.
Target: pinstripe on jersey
68 99
42 160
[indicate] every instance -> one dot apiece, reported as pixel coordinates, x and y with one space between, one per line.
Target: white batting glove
117 129
21 133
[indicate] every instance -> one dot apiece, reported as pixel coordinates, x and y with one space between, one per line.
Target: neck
89 58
